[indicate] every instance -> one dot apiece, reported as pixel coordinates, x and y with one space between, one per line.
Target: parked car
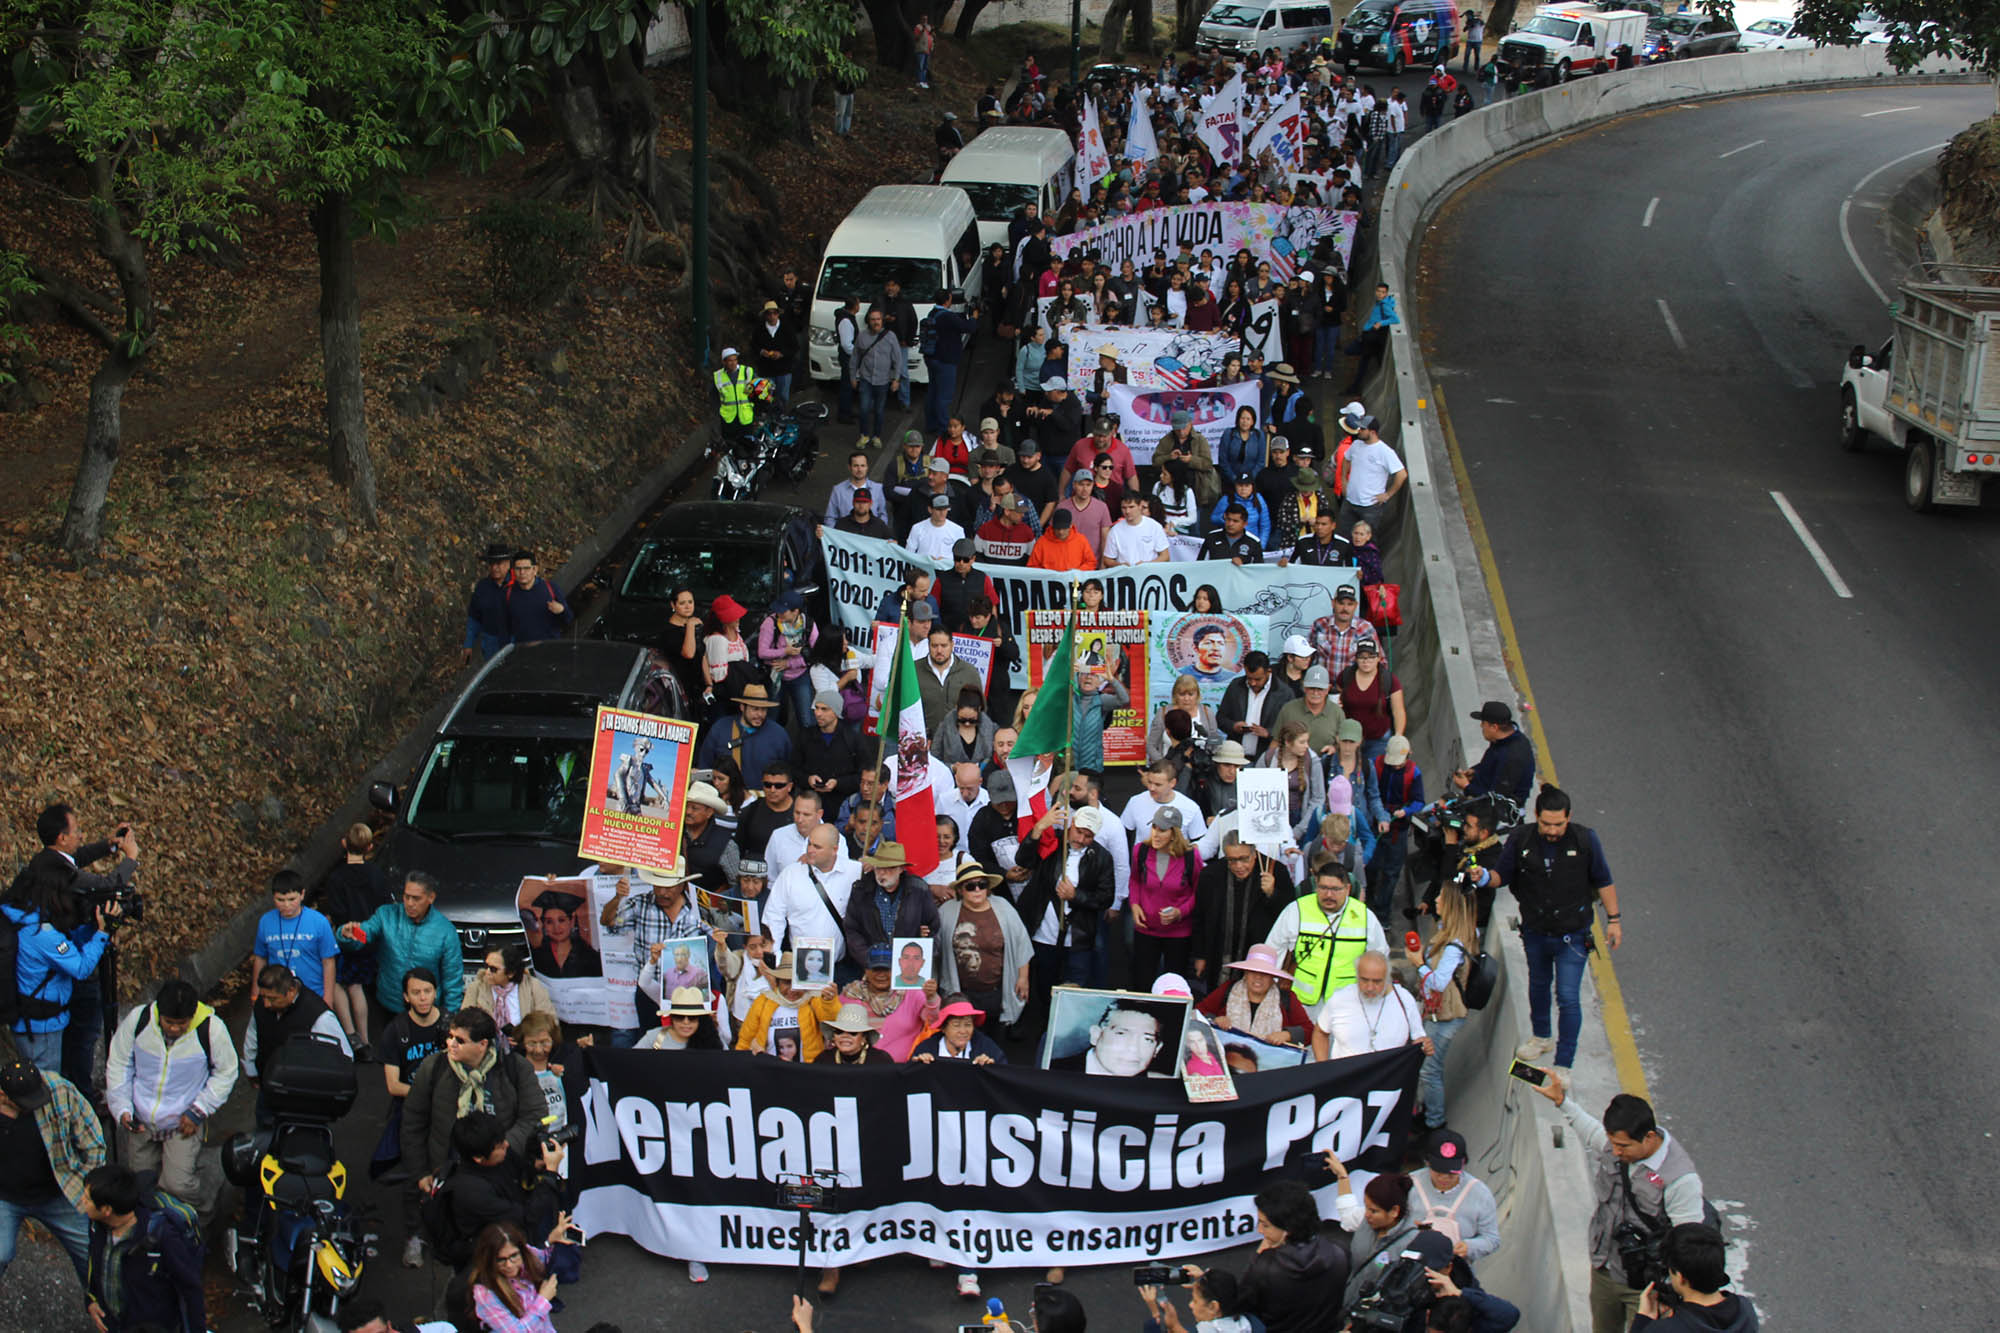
498 794
1775 35
1684 36
746 549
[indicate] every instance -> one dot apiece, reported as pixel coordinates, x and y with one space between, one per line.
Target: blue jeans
843 112
1395 147
1326 348
1430 1080
923 67
60 1216
1385 871
937 402
43 1050
1559 959
783 384
797 694
874 397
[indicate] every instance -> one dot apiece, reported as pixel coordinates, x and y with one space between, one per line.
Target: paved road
1794 788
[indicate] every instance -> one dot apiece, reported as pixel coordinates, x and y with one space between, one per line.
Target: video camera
1398 1302
1639 1254
807 1193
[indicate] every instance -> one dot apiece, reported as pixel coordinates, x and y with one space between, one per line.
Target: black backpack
927 334
440 1223
14 1006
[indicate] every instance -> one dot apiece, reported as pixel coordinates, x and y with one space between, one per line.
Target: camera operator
1471 841
1214 1299
1645 1183
490 1182
469 1074
65 855
1694 1301
1397 1288
1295 1280
61 936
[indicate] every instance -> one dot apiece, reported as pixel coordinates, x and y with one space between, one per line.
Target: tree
1969 29
169 115
1137 15
15 286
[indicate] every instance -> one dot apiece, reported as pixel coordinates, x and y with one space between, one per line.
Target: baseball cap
1493 711
1182 419
1296 646
1369 646
1317 679
728 352
1167 817
962 549
24 1085
1026 447
1446 1151
1060 519
1398 752
988 423
1090 818
938 465
940 502
1350 730
1345 593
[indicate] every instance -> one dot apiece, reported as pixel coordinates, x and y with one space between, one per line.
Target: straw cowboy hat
853 1017
887 856
686 1002
755 696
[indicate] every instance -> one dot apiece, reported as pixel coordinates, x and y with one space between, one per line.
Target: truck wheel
1396 65
1852 437
1562 72
1917 464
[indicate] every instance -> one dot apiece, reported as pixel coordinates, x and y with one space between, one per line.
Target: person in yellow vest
1324 933
734 384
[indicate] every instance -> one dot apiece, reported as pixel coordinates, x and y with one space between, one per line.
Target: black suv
745 548
499 793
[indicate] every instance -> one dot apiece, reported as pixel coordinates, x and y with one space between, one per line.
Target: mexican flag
1045 734
916 806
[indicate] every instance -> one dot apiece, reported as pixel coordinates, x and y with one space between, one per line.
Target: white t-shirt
1399 116
1369 467
1134 543
1138 816
935 539
1358 1024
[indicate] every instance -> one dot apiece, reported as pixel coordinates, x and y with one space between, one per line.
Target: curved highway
1637 336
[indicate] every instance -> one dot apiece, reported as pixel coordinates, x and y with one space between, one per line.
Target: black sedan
746 549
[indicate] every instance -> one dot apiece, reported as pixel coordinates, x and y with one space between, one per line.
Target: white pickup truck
1568 40
1933 391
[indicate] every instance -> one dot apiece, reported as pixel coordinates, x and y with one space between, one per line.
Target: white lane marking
1673 329
1890 112
1847 205
1744 149
1650 209
1840 588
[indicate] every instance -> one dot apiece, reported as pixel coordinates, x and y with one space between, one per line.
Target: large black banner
991 1166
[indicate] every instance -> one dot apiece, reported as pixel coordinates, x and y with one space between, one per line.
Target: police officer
732 391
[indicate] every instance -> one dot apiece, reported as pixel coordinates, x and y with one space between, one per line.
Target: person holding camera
1645 1184
1214 1299
63 857
490 1182
1694 1300
1295 1280
1417 1279
60 938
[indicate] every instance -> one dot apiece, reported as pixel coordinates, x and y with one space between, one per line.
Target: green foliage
799 39
15 284
534 250
1918 28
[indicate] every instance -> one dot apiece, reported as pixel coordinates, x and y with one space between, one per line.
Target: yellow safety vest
1326 951
735 395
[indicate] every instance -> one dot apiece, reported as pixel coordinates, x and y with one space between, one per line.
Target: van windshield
500 786
997 202
1563 30
1367 18
864 276
1234 16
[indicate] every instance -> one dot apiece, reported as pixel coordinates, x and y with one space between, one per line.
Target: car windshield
742 568
502 786
1366 19
995 202
1680 25
1775 27
1560 29
863 277
1234 16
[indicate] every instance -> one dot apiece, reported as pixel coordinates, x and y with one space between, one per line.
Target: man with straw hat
750 738
653 920
889 902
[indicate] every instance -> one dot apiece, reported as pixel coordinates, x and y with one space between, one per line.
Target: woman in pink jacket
1165 867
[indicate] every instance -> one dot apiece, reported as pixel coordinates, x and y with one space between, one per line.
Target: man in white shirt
1161 790
809 898
787 845
937 534
1137 539
1374 475
960 801
1370 1015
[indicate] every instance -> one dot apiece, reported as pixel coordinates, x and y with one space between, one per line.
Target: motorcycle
783 447
299 1247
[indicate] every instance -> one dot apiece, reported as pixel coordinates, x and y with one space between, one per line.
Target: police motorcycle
299 1246
777 446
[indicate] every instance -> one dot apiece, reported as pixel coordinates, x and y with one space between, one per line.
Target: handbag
1385 605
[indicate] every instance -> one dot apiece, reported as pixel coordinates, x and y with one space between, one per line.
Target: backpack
1482 974
927 334
14 1006
200 1032
440 1223
171 1215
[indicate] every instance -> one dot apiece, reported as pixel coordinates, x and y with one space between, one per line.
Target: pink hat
1262 958
1340 797
1172 984
963 1009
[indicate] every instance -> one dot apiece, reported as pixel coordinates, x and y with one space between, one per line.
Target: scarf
472 1094
1268 1017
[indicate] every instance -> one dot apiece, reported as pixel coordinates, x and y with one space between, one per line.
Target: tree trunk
610 124
1111 41
1499 22
894 47
1187 22
1142 27
966 15
347 457
125 348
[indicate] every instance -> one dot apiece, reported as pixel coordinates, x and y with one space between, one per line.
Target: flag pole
882 722
1069 722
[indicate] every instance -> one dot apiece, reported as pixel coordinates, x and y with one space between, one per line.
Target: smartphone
1156 1275
1527 1073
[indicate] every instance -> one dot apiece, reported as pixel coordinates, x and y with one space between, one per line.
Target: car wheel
1562 72
1852 437
1917 475
1396 64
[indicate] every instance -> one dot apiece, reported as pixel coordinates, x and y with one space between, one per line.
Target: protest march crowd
925 863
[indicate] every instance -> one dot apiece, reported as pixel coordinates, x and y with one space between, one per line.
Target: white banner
1093 160
1263 809
1145 415
1268 231
604 1001
1218 125
1284 134
1158 358
1140 143
1262 334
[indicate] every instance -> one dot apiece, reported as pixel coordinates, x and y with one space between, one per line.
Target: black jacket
840 756
916 914
1734 1315
1248 919
1298 1287
1096 886
432 1109
514 1191
1235 707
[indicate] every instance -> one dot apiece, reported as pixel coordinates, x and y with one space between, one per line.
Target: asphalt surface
1793 788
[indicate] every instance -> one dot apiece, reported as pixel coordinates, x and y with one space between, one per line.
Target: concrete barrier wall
1448 653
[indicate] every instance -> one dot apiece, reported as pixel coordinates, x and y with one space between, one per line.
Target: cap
1305 274
1350 730
1000 786
555 900
24 1085
1398 752
1060 519
1182 419
1090 819
1433 1248
1024 448
1172 984
686 1002
988 423
1494 711
940 502
1372 423
769 306
962 549
1167 817
1340 799
1345 593
853 1016
990 458
1445 1153
1296 646
937 464
1317 679
1369 646
953 115
1230 752
861 492
879 955
912 437
1054 384
728 352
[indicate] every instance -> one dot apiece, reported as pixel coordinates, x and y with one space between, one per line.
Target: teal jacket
402 944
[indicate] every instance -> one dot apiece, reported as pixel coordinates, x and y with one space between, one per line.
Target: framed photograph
721 911
562 933
1123 1034
1245 1054
1204 1068
912 965
812 963
681 962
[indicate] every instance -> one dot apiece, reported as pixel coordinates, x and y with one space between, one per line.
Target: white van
1009 167
1252 27
924 236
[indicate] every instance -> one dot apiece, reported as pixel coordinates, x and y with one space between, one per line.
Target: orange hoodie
1053 552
